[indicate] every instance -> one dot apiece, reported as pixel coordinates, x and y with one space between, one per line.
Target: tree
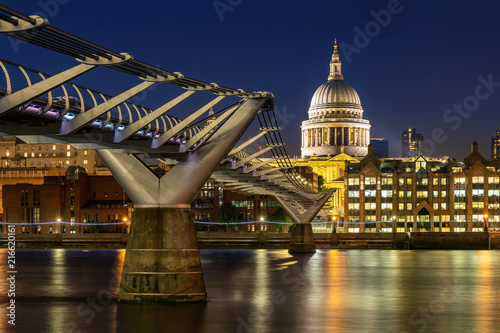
227 213
279 215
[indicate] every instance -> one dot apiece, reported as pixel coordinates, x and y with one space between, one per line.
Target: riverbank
414 240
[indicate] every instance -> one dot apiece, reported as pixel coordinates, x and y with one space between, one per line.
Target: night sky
430 58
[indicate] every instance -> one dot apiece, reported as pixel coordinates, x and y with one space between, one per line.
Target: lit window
386 194
387 181
401 206
435 181
54 147
435 206
32 154
85 153
459 180
25 154
459 193
353 194
68 147
459 218
370 193
353 181
459 205
401 194
408 206
408 194
478 180
85 162
68 154
370 218
421 194
8 154
401 181
493 193
476 205
435 194
444 194
443 205
387 205
478 192
67 162
354 206
494 180
408 181
370 181
370 205
443 181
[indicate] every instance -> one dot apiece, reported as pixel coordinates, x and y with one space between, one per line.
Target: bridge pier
162 261
302 238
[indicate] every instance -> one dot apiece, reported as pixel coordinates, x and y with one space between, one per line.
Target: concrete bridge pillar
162 261
302 238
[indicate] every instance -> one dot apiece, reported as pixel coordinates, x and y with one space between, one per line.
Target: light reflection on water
267 291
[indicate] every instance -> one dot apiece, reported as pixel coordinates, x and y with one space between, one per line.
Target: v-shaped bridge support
162 262
302 239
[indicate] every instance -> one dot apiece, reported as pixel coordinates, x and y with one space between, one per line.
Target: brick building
77 199
422 194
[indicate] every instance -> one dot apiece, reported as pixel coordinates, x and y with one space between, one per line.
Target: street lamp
334 222
485 222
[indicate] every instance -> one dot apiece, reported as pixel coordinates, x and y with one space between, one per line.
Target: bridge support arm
302 239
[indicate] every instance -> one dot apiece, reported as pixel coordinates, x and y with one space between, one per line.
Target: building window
401 206
401 194
443 181
443 205
370 218
387 181
85 162
370 193
459 205
386 206
435 181
67 162
24 198
459 180
105 194
353 194
435 194
477 205
444 194
401 181
493 193
494 180
353 206
36 197
435 206
36 214
85 153
421 194
386 194
68 147
370 181
408 181
408 194
353 181
459 193
409 206
478 180
25 154
68 154
370 205
478 192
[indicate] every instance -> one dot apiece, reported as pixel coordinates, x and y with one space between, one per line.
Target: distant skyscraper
380 147
495 146
412 143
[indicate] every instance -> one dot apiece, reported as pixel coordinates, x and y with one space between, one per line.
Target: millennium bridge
162 261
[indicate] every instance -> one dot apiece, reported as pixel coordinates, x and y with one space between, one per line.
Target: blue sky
416 66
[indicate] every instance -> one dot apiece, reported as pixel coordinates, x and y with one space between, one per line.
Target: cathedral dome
335 94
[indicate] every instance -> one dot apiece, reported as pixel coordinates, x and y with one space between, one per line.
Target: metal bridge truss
40 108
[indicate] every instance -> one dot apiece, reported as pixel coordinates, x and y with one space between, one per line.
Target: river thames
265 291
